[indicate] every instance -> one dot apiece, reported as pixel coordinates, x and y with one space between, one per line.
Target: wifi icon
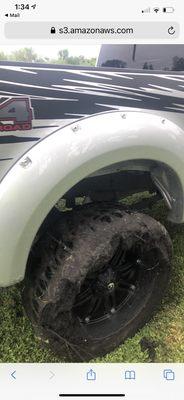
156 10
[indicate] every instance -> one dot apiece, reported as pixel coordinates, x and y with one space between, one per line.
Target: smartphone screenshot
91 200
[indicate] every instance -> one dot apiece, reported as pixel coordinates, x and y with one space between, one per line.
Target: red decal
19 112
13 128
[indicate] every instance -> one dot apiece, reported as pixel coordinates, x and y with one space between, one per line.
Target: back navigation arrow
13 375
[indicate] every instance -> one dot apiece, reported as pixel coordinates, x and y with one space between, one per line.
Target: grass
161 340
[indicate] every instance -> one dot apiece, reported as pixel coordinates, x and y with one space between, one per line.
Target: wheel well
112 185
123 179
126 178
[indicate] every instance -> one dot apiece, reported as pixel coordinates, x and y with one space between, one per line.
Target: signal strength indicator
146 10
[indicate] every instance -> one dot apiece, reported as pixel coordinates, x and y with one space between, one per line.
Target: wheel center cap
111 286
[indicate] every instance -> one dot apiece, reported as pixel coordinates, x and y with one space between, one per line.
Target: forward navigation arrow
51 375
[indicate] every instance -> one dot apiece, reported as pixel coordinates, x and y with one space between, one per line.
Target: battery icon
168 9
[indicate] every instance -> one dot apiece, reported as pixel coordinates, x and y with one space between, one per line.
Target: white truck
95 272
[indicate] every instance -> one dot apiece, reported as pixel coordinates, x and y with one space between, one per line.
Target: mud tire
81 243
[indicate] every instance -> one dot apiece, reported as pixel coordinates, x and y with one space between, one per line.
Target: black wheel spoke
95 302
126 268
84 297
105 291
84 293
113 299
96 306
118 259
82 302
125 285
107 304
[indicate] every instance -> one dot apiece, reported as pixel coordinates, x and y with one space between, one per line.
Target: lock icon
53 30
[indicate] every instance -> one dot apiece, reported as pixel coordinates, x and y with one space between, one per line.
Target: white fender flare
54 165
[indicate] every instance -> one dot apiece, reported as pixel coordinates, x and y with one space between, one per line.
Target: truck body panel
61 124
59 95
50 168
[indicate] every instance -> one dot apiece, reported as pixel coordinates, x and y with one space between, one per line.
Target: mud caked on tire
95 278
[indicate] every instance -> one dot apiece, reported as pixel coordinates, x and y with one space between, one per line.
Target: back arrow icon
13 375
51 375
